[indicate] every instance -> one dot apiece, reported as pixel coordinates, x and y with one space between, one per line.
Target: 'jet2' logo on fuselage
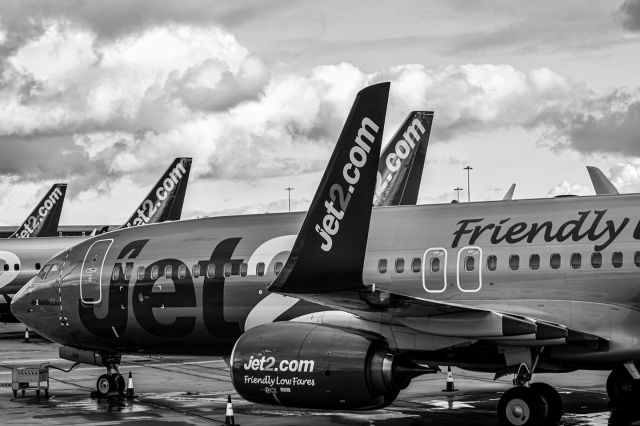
351 174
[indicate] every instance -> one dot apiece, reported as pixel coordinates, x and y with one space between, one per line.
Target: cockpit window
43 271
52 270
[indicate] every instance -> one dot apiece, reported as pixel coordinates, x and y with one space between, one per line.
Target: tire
121 385
621 387
105 384
553 402
521 406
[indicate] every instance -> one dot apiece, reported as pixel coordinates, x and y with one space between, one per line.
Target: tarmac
193 391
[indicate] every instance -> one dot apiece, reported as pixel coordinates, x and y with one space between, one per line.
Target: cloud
630 10
567 188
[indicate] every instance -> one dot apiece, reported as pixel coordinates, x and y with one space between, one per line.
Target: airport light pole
289 189
468 169
458 189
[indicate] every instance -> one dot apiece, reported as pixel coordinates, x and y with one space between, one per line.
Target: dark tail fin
601 184
329 251
43 220
401 164
165 200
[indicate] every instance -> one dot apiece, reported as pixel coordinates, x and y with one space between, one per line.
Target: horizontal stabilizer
402 161
328 254
164 201
44 219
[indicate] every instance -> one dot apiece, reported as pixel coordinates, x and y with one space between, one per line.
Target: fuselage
196 285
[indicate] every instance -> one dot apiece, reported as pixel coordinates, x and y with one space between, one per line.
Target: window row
416 265
197 270
16 267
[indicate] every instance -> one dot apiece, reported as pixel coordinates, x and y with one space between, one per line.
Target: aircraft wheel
121 385
552 401
621 387
521 406
105 384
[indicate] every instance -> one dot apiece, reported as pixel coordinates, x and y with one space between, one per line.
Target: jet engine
318 366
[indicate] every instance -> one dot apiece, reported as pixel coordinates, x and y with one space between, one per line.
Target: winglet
164 201
509 193
601 184
329 252
43 220
402 161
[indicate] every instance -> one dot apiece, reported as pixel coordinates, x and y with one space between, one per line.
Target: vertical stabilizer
329 252
510 191
601 184
164 201
402 161
43 220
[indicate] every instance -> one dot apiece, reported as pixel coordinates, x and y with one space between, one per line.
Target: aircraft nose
21 303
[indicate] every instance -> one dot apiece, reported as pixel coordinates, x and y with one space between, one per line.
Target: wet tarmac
193 390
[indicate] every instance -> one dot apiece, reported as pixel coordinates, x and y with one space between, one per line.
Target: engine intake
318 366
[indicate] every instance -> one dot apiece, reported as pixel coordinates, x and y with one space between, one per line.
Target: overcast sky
103 94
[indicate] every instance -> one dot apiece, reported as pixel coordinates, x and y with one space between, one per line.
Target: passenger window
127 272
555 261
492 262
38 266
195 270
154 272
616 259
182 271
44 271
260 269
168 270
211 270
243 269
6 266
416 264
115 275
596 260
636 259
382 266
140 273
514 262
534 262
576 260
277 268
399 265
227 269
434 264
469 263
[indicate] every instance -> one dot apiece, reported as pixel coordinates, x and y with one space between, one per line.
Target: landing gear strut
529 403
113 382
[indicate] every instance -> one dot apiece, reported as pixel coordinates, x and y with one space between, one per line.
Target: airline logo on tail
30 226
351 174
405 145
164 190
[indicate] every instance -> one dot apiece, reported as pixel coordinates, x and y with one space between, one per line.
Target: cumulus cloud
631 15
567 188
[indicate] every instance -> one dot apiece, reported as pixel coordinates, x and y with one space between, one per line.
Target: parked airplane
509 194
21 259
43 220
383 292
601 183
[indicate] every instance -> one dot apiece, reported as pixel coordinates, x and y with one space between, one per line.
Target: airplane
601 183
43 220
509 194
380 295
399 174
21 259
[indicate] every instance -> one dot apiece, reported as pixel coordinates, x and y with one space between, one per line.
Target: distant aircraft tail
509 193
164 201
402 161
336 227
43 220
601 184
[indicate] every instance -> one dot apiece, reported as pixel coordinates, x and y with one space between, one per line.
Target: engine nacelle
317 366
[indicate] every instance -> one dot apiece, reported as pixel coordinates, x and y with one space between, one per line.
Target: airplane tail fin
509 194
164 201
402 161
601 183
328 254
43 220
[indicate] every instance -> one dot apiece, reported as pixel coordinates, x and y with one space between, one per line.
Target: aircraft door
434 272
91 272
469 269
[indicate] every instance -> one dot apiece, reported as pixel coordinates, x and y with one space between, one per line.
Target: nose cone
21 304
